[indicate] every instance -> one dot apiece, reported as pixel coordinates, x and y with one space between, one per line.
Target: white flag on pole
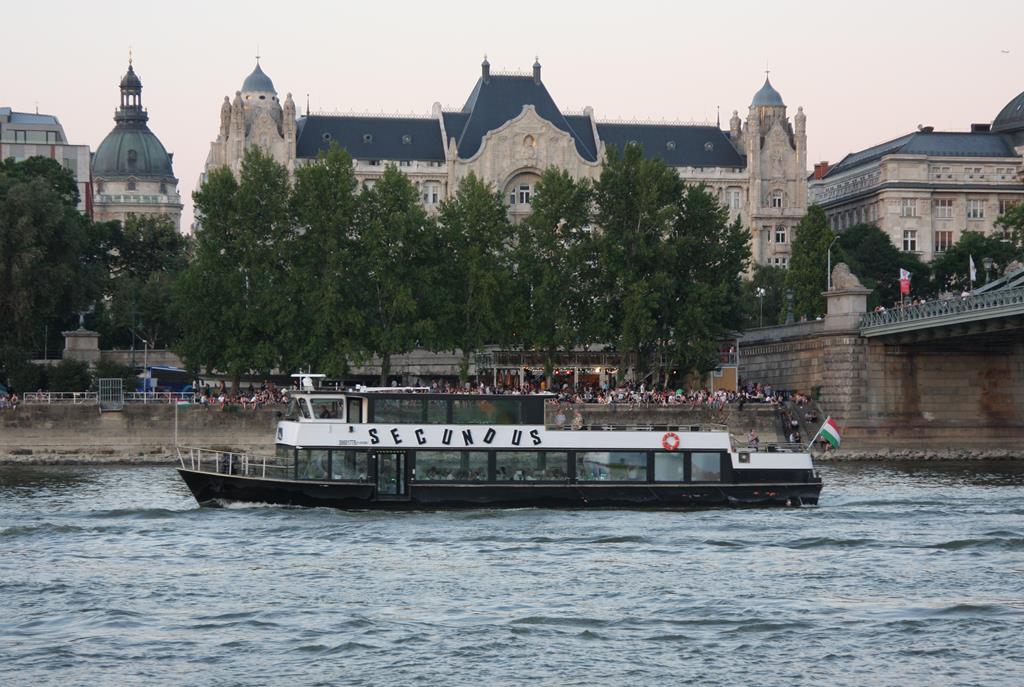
974 271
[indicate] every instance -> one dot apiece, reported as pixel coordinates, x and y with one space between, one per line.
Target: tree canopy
874 258
807 277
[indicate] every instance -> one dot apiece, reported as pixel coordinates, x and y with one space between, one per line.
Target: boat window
350 465
613 466
355 411
399 410
531 466
304 408
668 467
706 467
437 412
328 408
311 463
486 412
293 410
450 466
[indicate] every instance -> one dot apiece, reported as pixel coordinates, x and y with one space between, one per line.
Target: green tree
554 272
638 200
706 256
1011 223
808 263
764 296
872 256
325 286
69 375
229 300
392 269
48 256
951 269
150 257
471 296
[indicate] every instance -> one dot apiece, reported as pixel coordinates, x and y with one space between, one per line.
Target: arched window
775 200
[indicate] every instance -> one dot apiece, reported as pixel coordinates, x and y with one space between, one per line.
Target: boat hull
215 489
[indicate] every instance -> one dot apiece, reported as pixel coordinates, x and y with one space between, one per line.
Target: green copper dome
131 149
131 152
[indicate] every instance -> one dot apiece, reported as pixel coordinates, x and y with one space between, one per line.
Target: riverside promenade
145 434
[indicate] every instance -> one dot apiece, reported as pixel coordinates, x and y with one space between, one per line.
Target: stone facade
510 131
926 188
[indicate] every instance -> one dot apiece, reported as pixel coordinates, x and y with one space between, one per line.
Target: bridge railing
937 309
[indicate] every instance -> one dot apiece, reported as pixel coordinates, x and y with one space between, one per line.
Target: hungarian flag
904 282
830 432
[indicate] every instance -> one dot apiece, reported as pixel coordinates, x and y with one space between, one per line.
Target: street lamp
988 263
828 276
145 365
789 306
759 292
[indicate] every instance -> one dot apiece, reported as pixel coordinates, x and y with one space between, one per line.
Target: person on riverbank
753 441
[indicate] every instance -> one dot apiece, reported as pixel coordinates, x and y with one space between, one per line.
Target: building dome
258 82
131 80
767 96
1011 118
131 152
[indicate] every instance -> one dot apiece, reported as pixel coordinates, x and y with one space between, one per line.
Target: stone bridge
947 374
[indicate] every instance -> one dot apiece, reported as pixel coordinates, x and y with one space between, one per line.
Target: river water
903 575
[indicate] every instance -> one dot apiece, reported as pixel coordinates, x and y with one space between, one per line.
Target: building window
780 261
910 240
1005 204
941 172
374 163
780 234
524 194
943 240
367 138
431 193
404 163
163 187
406 139
973 173
944 208
131 186
775 200
735 198
908 207
69 164
975 209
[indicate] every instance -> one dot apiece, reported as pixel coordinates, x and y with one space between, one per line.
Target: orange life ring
670 441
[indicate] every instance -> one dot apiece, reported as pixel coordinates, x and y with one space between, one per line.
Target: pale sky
864 72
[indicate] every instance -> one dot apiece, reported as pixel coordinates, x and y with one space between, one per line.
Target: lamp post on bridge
988 263
828 275
759 292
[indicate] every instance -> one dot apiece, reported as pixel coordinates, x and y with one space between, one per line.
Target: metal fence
230 463
93 398
954 308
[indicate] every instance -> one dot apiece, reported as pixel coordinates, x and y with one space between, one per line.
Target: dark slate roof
131 79
767 95
371 138
1011 118
27 117
584 129
501 98
688 147
258 81
454 123
933 143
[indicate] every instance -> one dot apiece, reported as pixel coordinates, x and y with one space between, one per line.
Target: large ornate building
132 173
926 188
510 130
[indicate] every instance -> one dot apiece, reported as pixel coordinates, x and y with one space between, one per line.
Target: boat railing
234 463
740 443
607 427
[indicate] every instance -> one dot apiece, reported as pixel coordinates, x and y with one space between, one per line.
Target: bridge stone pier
945 375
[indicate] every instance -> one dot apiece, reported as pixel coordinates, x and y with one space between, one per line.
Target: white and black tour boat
406 449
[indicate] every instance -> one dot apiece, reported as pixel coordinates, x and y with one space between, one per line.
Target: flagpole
816 435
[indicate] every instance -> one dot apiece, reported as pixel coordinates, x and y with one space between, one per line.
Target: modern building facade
24 135
926 188
510 130
132 172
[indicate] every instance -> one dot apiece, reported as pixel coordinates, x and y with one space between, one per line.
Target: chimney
536 70
820 170
485 70
980 128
